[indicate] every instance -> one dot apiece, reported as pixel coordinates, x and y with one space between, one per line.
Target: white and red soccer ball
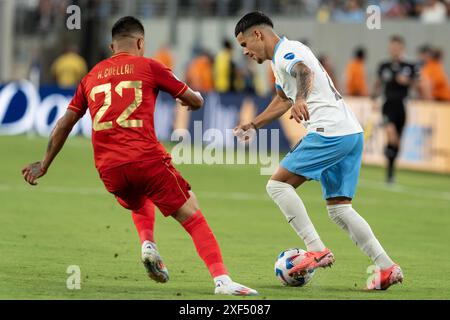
287 260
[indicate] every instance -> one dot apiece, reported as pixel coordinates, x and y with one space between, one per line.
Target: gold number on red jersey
122 120
106 88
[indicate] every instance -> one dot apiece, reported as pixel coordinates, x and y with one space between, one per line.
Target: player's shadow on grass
159 292
314 289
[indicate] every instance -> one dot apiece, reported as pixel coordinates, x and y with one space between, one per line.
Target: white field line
411 191
414 192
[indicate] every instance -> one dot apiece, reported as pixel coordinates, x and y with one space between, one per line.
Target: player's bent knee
276 188
189 208
335 211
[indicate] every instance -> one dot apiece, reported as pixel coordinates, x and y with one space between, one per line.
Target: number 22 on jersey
122 120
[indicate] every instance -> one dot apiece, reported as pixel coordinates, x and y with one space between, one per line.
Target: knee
275 188
187 210
336 211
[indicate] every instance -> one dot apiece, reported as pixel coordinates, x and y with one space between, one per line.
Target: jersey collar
276 48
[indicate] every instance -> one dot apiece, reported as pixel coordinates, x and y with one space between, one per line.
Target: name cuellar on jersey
329 115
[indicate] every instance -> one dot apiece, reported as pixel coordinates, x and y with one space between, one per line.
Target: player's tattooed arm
304 78
56 141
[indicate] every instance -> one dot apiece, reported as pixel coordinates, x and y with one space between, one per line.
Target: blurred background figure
199 73
395 77
433 76
69 68
433 11
352 13
328 67
248 76
356 84
225 69
164 55
393 8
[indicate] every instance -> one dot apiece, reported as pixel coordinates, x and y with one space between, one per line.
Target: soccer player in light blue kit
330 152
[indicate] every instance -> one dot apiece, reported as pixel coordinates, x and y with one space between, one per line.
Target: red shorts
157 180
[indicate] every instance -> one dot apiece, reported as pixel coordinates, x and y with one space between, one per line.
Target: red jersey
120 93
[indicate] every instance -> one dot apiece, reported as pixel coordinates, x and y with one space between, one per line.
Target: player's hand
184 104
299 111
245 132
33 171
402 79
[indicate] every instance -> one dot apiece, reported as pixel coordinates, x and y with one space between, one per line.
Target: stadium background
33 34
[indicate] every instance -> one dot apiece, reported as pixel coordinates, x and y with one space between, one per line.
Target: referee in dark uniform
394 77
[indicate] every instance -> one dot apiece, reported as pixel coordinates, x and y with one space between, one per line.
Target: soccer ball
285 261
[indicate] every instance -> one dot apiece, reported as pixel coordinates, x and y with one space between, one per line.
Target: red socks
204 240
144 220
205 243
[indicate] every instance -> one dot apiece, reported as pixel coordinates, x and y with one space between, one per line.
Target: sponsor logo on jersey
289 56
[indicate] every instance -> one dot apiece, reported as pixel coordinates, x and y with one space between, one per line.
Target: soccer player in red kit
120 94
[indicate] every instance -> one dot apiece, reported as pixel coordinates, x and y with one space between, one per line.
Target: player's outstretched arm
56 141
277 107
191 99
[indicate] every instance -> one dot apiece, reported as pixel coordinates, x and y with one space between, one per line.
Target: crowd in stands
354 11
207 72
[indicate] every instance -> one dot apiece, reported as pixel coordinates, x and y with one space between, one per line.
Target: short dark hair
425 49
251 19
127 26
397 38
227 44
360 53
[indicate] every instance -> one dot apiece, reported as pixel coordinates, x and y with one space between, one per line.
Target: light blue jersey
329 115
331 151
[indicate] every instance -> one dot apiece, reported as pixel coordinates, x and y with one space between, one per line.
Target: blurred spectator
164 56
353 13
424 55
356 75
434 76
433 11
199 73
326 64
249 76
225 69
324 13
392 8
69 68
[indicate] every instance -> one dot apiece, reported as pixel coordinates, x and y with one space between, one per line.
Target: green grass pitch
70 219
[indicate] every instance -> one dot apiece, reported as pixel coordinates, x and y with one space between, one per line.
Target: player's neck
125 51
274 39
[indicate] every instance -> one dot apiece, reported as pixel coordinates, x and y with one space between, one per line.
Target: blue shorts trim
334 161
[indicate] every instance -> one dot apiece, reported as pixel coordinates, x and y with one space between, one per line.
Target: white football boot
226 286
153 262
